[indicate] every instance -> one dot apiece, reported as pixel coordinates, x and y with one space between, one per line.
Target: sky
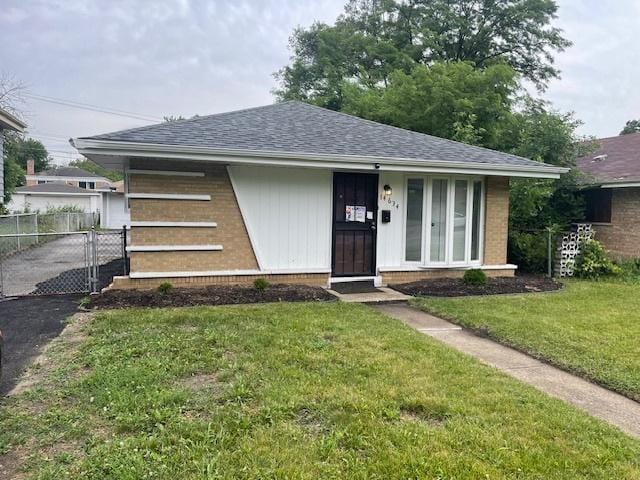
178 57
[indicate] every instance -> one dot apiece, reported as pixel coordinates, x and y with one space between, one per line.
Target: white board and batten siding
287 213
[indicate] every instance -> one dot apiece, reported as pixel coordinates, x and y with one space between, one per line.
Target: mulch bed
455 287
212 295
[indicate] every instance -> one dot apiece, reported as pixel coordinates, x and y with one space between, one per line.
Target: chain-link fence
14 227
78 262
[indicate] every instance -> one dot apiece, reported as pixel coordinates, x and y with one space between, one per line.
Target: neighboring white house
72 187
54 195
7 122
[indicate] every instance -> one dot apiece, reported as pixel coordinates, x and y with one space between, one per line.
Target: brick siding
496 221
231 233
622 236
406 277
312 279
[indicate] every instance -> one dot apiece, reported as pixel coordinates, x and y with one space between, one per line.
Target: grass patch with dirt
315 390
590 328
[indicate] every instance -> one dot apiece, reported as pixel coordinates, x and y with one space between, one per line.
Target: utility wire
93 108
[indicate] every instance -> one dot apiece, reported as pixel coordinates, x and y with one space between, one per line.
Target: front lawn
591 328
290 391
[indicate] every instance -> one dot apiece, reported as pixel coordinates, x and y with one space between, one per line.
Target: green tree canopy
22 148
17 150
374 38
90 166
451 100
632 126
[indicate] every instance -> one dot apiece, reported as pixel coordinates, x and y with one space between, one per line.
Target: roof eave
10 122
94 147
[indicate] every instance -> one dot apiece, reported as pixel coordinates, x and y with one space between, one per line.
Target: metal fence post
549 263
94 261
18 230
124 250
68 221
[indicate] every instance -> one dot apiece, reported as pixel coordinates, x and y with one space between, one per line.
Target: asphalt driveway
28 324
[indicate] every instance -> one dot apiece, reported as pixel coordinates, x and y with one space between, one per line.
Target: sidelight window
415 201
444 219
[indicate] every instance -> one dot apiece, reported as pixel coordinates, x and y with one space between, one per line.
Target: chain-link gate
60 263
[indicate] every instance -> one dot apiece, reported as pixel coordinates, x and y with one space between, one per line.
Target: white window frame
449 228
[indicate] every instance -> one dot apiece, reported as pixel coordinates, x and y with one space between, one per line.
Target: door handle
373 226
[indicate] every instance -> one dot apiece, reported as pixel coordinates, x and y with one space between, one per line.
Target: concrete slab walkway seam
599 402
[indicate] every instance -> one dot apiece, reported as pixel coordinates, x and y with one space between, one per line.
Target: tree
545 135
632 126
452 100
90 166
21 149
172 118
374 38
17 150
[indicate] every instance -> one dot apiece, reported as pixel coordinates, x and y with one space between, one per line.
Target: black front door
355 206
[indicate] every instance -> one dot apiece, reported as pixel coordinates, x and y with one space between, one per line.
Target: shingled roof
616 161
67 172
299 128
57 188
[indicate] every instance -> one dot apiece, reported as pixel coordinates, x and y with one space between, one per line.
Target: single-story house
72 187
296 193
114 213
7 123
43 197
74 176
612 193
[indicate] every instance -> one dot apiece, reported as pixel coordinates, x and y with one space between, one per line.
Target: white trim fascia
620 185
90 147
57 179
166 173
247 225
90 193
227 273
168 196
420 268
175 224
174 248
10 122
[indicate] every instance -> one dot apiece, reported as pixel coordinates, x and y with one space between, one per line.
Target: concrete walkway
383 294
597 401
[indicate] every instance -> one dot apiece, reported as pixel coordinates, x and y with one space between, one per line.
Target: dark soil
73 280
212 295
455 287
28 324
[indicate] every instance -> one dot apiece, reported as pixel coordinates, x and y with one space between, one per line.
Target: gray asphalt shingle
297 127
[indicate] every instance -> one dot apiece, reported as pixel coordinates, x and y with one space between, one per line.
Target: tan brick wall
312 279
231 233
390 278
622 236
496 221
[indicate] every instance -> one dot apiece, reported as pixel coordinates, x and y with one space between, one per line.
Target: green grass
292 391
591 328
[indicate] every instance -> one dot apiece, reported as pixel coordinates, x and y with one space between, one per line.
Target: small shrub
84 302
629 269
593 262
474 277
260 284
165 287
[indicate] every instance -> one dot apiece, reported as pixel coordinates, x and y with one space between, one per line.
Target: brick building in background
612 176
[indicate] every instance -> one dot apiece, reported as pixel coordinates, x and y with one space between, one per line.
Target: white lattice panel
570 247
